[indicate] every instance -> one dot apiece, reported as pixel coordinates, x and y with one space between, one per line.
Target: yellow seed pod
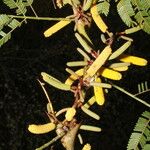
125 68
100 60
87 147
72 78
54 82
90 113
133 29
98 92
87 5
56 27
98 20
41 129
133 59
90 128
70 114
83 42
109 73
90 102
81 29
120 50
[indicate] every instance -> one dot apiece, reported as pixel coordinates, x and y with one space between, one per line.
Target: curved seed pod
90 128
90 113
48 106
41 129
72 78
87 5
133 60
98 20
99 94
103 38
54 82
81 29
99 84
83 43
120 50
56 27
80 138
109 73
126 38
44 74
116 65
100 60
119 66
70 114
132 30
72 73
125 68
77 63
83 54
90 102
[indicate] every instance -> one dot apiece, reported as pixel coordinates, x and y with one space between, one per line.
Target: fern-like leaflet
6 20
142 88
126 12
103 7
141 136
11 23
19 5
135 12
142 16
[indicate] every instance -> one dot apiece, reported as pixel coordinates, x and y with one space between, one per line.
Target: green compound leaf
11 23
4 20
103 7
141 134
5 37
126 11
135 12
19 5
142 15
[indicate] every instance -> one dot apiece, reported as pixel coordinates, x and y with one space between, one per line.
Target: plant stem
51 141
131 95
39 18
142 92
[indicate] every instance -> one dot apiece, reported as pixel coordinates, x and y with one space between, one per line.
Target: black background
22 101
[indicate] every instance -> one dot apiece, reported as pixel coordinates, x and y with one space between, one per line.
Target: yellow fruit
90 113
99 94
90 102
70 114
72 78
109 73
125 68
81 29
100 60
132 30
98 20
133 59
120 50
87 147
41 129
83 42
54 82
56 27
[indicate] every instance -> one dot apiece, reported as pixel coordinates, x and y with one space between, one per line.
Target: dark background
22 101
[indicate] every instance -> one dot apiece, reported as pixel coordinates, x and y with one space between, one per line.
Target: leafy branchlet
98 68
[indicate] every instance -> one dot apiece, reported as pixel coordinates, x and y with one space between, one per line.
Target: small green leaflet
103 7
19 5
6 21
